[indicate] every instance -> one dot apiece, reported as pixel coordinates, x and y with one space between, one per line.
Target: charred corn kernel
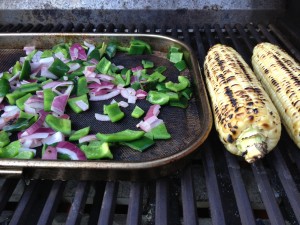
245 118
280 76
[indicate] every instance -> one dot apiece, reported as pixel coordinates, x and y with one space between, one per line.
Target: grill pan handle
11 173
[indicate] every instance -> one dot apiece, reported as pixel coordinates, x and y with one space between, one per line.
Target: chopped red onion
37 56
38 124
90 46
61 56
50 153
59 104
28 49
149 124
46 62
105 77
132 99
77 52
88 138
46 73
82 105
152 111
34 136
141 94
112 94
10 111
71 150
102 117
123 104
54 138
73 67
135 69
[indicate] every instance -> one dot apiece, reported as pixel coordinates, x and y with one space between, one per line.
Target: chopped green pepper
59 124
182 102
147 64
82 86
26 70
173 96
158 132
111 49
59 68
25 115
19 125
16 68
95 54
14 96
29 88
156 76
181 65
183 83
31 54
175 57
122 136
187 93
137 112
46 54
49 95
4 87
159 98
79 134
4 139
103 65
161 69
127 77
20 102
72 102
11 150
25 155
114 112
119 80
140 144
139 47
97 150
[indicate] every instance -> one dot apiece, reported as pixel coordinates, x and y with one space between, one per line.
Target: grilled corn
245 118
280 76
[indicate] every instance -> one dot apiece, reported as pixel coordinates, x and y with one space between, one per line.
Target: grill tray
189 128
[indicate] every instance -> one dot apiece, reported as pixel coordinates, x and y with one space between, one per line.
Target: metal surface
160 160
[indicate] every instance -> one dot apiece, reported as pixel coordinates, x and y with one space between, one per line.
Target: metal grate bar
267 193
253 32
25 204
200 45
286 181
162 202
242 199
214 196
220 34
135 204
6 191
244 35
294 51
108 203
188 198
267 34
208 33
52 202
97 201
78 204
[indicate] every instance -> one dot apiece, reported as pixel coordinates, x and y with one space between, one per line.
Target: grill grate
211 190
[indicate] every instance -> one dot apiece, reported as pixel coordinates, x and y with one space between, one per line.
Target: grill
216 188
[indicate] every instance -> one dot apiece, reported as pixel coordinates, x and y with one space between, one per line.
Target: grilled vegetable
246 119
280 76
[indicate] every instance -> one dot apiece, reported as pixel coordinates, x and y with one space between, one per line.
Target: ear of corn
280 76
245 118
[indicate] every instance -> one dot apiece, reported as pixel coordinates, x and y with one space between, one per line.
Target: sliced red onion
10 111
48 130
38 124
94 61
105 77
27 143
102 117
141 94
28 49
128 91
90 46
123 104
55 138
35 136
46 73
152 111
37 56
59 104
71 150
150 123
77 52
61 56
50 153
120 67
132 99
93 79
35 67
112 94
73 67
40 94
64 116
97 93
82 105
103 84
33 105
46 62
52 84
68 84
2 123
88 138
31 143
113 101
135 69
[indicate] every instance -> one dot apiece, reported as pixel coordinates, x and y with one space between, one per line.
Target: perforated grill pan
188 127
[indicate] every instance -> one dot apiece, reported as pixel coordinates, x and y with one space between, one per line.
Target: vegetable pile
36 92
